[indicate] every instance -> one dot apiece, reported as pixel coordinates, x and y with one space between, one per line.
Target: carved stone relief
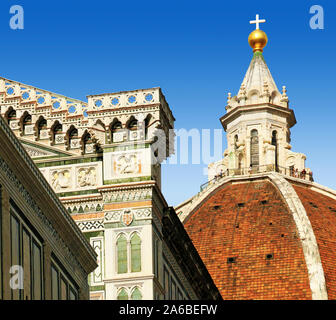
86 177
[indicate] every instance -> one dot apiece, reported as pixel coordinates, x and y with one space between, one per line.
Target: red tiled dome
248 239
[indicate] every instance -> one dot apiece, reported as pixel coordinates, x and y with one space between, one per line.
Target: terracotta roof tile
261 226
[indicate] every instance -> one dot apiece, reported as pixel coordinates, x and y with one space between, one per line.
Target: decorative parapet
31 98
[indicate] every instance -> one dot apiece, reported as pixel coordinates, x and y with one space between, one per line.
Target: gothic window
11 116
133 125
88 143
133 128
135 253
73 138
41 125
116 132
254 148
136 294
122 254
122 295
26 123
57 132
147 121
275 143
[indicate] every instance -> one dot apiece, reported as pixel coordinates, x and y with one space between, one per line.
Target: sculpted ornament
60 179
127 217
86 177
127 164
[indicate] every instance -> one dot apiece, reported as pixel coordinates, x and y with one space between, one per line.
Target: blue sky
196 51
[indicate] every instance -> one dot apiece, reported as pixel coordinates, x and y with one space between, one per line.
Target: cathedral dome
267 237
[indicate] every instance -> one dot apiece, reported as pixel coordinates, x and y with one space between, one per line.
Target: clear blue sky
196 51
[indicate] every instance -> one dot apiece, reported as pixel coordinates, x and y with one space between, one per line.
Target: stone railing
41 98
308 176
124 99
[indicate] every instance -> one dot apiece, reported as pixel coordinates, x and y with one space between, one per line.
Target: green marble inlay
68 162
77 193
137 179
126 148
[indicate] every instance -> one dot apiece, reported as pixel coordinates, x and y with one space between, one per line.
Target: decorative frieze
127 195
127 216
91 225
74 177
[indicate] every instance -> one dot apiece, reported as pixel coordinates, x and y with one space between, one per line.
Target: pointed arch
132 126
147 124
136 294
25 122
72 139
115 128
122 254
122 295
56 132
100 125
10 114
41 124
87 143
135 253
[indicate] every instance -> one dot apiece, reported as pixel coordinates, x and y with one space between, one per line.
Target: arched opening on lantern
254 149
275 144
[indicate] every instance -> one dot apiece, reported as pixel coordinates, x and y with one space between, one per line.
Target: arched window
73 139
41 125
135 253
122 254
236 142
136 294
122 295
133 128
88 143
117 132
57 132
275 143
26 125
147 121
11 116
254 148
133 125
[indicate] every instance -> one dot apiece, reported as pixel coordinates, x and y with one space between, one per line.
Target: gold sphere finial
258 40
